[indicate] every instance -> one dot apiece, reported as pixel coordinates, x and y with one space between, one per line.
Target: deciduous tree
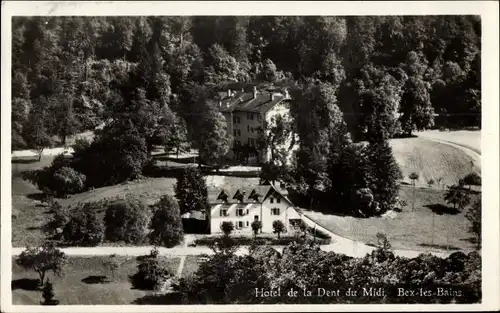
278 227
474 216
166 223
127 220
42 259
191 191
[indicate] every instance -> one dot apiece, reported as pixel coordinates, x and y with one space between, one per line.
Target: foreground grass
191 264
411 230
76 286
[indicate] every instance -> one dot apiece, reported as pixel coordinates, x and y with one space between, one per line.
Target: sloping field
467 138
434 160
151 189
29 216
409 229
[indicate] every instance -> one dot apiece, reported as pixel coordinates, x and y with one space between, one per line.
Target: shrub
363 201
457 196
111 265
472 179
86 228
278 227
256 226
166 224
48 294
67 181
227 227
57 179
321 239
60 217
151 274
127 220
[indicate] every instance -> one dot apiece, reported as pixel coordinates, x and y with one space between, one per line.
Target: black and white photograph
165 159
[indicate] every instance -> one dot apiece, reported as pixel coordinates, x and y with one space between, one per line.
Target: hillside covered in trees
70 74
154 81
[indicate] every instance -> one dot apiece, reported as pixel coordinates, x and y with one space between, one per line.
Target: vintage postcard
249 156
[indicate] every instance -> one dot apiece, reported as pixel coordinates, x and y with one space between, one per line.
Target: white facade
244 121
274 206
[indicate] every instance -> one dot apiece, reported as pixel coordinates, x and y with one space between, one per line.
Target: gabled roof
244 101
251 194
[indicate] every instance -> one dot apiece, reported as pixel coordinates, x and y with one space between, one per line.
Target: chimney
272 96
229 93
254 92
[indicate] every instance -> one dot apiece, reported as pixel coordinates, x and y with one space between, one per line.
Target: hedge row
261 241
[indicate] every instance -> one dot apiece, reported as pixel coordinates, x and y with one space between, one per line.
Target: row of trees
227 278
129 219
126 220
329 166
73 73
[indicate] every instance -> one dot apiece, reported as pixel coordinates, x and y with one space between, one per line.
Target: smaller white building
243 205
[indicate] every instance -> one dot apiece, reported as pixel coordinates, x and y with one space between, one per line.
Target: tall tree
191 191
474 216
214 140
384 174
166 223
35 132
317 119
416 110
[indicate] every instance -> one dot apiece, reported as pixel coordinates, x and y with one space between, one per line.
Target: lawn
191 264
151 189
409 229
76 285
27 213
432 160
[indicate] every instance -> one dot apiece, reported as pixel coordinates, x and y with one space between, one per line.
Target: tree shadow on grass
39 196
442 247
470 240
168 298
182 160
25 284
92 280
441 209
